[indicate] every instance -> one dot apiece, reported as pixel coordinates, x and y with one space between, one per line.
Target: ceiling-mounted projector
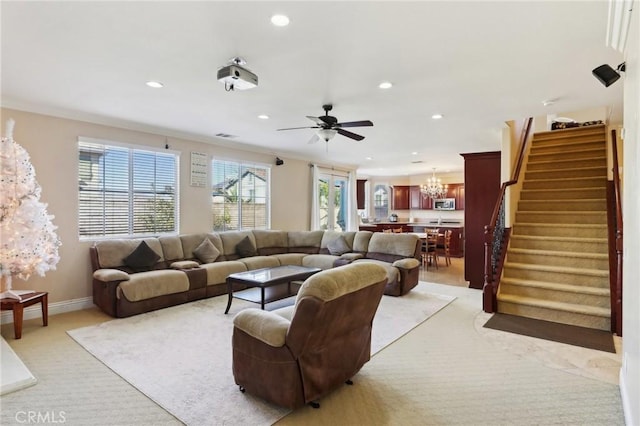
233 76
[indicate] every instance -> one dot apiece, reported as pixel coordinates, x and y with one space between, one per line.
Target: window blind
126 191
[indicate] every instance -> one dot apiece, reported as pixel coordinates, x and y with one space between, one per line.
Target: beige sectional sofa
130 277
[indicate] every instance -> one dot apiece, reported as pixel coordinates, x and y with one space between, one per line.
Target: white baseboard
626 404
55 308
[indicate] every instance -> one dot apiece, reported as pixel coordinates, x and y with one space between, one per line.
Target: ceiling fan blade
317 120
296 128
362 123
350 134
315 138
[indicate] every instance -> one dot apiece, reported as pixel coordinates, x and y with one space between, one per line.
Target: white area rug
180 357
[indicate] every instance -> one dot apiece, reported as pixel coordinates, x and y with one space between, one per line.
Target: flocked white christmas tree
28 242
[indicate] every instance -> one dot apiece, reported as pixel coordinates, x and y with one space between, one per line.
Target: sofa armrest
352 256
108 275
262 325
407 263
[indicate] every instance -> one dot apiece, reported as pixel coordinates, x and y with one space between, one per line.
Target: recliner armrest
265 326
108 275
407 263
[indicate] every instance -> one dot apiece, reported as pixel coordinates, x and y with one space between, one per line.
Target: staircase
556 267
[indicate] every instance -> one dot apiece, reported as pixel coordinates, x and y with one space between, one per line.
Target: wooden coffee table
266 284
17 306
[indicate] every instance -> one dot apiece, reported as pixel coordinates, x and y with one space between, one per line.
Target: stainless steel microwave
444 204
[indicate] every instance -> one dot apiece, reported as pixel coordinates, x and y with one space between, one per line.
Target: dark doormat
563 333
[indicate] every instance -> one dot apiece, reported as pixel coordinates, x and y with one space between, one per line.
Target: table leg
45 310
230 293
18 311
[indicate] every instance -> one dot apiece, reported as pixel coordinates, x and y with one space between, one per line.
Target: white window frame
131 192
242 164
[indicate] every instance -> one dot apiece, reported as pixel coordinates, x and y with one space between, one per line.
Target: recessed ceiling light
368 158
280 20
436 116
155 84
414 153
385 85
263 117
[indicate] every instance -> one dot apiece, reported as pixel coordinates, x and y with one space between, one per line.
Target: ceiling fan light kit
328 126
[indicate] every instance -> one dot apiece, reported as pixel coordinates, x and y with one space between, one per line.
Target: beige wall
52 144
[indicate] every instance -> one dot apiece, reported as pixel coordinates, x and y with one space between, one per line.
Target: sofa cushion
393 274
206 252
230 240
218 272
290 258
322 261
392 247
333 283
142 258
171 247
184 264
361 241
191 241
257 262
338 246
110 253
106 275
329 237
305 241
246 248
146 285
270 242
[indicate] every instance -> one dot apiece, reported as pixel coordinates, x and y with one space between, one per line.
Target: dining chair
397 230
431 248
444 248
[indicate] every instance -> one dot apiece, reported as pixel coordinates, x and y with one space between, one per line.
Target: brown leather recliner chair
294 356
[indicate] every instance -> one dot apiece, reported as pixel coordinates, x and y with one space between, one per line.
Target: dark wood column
481 190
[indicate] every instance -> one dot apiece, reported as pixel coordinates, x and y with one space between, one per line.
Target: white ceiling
477 63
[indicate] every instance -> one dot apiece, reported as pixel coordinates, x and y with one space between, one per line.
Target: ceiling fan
328 126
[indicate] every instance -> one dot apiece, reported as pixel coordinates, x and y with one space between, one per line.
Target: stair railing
494 233
615 244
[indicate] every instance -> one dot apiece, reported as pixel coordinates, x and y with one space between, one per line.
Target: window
381 201
240 195
126 191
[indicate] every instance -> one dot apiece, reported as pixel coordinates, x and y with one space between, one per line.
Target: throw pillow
142 258
245 248
338 246
206 252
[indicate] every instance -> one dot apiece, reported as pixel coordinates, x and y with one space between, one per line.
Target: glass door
333 200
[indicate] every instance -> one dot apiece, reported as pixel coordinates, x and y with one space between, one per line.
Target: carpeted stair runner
556 266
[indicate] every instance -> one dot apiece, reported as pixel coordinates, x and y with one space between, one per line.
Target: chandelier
434 188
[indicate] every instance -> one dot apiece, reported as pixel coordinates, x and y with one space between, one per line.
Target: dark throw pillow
142 258
245 248
206 252
338 246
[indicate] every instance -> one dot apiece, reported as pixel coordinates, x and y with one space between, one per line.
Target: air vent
225 135
417 162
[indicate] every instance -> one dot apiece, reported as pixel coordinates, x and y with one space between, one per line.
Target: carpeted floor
177 355
449 370
563 333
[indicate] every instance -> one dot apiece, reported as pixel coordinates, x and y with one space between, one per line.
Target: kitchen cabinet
401 197
417 200
482 186
456 191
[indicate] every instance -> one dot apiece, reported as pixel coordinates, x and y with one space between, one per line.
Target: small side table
17 306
